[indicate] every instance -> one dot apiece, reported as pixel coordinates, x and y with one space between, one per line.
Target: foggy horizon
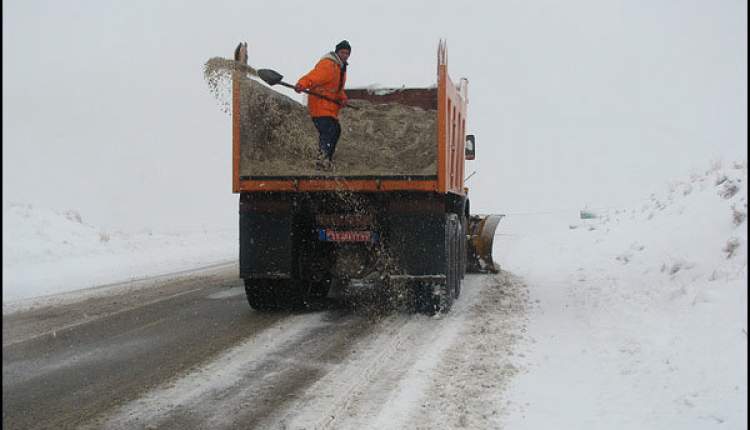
105 110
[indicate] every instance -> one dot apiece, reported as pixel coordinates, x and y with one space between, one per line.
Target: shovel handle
318 95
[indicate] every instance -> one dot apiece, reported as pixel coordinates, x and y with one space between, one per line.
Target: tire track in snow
414 365
337 369
468 386
249 383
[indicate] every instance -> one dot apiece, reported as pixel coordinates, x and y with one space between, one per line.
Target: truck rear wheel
460 254
272 294
439 298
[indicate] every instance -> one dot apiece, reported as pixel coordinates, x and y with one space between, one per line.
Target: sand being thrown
279 139
217 72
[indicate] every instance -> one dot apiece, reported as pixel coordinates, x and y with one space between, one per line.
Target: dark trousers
329 130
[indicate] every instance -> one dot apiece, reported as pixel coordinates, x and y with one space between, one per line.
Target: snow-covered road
191 353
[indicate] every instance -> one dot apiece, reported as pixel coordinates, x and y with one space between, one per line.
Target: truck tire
439 298
464 240
460 254
272 294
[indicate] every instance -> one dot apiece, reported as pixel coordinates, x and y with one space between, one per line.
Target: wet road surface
190 353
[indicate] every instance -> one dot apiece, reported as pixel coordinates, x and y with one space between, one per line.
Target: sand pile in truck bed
279 139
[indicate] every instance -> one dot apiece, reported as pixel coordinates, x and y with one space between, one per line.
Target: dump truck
393 215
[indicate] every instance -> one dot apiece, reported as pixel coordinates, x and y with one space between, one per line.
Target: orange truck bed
447 99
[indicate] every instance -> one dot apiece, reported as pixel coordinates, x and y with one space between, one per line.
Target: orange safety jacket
327 78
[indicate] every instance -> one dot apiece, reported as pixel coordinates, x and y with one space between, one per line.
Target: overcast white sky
573 102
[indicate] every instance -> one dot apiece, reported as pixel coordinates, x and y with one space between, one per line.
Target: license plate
331 235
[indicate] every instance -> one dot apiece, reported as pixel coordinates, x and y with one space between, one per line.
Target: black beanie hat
343 45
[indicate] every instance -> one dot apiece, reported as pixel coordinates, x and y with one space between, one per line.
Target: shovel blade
271 77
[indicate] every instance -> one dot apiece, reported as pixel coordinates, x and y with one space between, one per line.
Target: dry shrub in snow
731 247
729 189
74 216
624 258
738 216
676 266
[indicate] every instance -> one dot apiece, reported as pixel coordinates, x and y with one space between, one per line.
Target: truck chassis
295 246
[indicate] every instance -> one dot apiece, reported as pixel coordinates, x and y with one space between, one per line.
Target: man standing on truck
328 79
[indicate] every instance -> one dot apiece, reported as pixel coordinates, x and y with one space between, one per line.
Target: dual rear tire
440 297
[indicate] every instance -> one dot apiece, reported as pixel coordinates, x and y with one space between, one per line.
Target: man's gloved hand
298 87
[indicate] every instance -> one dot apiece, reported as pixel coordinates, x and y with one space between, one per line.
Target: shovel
271 77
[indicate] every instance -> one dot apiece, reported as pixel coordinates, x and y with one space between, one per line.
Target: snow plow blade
481 234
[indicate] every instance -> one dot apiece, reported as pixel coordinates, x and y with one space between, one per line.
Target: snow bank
47 252
640 316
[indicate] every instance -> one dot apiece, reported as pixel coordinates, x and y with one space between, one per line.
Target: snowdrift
47 252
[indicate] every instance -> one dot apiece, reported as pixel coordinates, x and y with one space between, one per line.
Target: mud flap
481 236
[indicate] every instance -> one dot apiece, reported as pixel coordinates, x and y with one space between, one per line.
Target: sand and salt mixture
279 139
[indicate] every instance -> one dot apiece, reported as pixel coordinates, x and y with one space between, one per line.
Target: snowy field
638 316
47 252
